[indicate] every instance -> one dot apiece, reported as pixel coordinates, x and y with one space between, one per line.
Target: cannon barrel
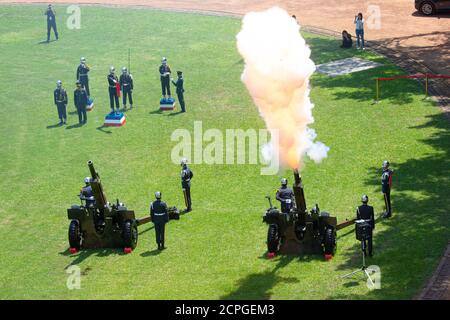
298 193
97 188
94 174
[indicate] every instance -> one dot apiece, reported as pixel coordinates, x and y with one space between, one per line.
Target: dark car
430 7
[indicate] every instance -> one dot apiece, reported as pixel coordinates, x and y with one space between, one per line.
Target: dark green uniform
82 75
51 22
180 92
113 97
165 79
60 99
285 195
186 176
80 99
126 85
365 212
386 184
159 215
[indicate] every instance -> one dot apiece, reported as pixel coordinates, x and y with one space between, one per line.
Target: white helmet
183 162
158 195
59 83
87 180
112 69
83 60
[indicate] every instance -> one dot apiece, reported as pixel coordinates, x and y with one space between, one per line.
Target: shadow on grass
152 253
86 253
147 230
408 249
74 126
46 42
258 286
102 128
53 126
157 111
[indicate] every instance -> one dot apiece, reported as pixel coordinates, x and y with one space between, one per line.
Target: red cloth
118 88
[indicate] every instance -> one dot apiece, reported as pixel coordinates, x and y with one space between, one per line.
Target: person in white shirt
359 22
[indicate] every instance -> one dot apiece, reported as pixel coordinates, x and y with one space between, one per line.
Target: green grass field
218 250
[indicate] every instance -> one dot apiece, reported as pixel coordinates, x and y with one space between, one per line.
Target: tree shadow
258 286
408 248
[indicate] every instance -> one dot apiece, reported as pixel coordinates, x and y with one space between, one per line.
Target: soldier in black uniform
112 80
164 72
365 212
51 22
159 215
86 193
285 195
186 177
386 185
180 90
82 75
126 85
80 99
60 99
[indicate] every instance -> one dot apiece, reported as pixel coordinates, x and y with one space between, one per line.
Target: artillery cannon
299 231
96 223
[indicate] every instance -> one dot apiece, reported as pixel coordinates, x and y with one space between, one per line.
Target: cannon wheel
130 234
74 234
273 238
330 241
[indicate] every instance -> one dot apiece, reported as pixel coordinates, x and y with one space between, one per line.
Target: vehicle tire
273 239
330 241
427 8
130 234
75 234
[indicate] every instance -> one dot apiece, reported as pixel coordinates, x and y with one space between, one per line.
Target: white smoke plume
276 74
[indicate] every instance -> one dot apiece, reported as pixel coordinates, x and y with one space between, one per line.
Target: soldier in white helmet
126 86
164 72
82 74
186 177
112 88
60 99
160 216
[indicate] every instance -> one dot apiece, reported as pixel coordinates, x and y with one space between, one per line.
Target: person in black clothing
365 212
285 195
347 41
386 185
60 99
126 86
86 193
80 99
159 216
113 96
186 177
51 22
180 90
82 74
164 72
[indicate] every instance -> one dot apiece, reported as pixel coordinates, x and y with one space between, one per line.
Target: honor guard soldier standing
164 72
159 215
82 75
126 85
51 22
60 99
180 90
386 185
80 99
365 212
186 177
113 95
